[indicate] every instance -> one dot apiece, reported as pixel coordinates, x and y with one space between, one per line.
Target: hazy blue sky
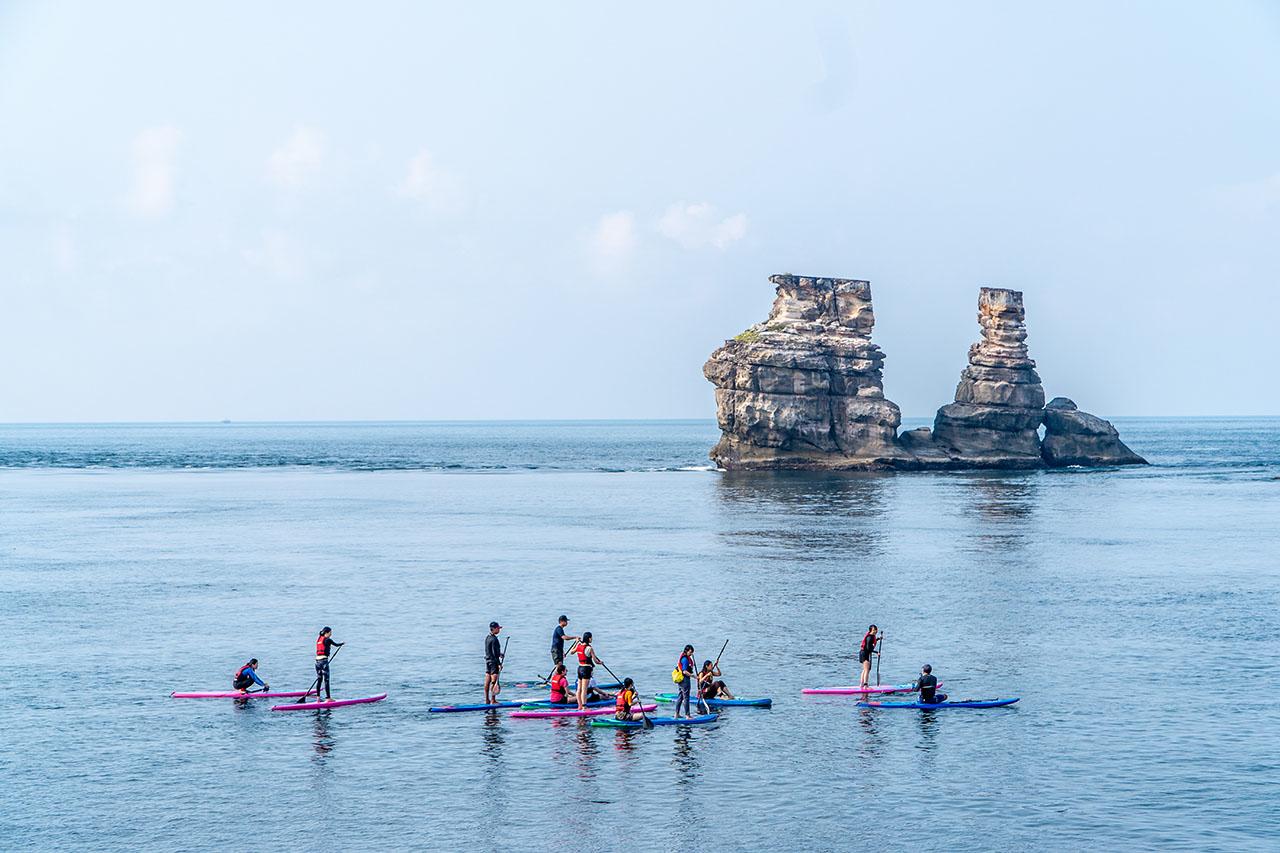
358 211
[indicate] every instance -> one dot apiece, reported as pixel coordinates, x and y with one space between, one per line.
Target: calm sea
1135 611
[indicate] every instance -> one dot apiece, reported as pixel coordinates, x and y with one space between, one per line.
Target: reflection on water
1002 507
684 756
321 741
870 746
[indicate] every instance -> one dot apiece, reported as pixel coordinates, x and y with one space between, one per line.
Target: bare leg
866 672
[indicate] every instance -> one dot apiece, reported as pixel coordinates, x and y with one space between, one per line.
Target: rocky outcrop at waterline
804 389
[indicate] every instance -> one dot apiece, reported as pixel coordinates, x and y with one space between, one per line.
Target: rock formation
995 418
803 389
1073 437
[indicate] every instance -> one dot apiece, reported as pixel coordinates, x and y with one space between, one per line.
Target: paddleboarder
709 683
492 664
247 676
325 644
688 671
927 684
587 662
558 636
870 642
626 700
559 685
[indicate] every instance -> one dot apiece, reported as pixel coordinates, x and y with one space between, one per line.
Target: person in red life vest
247 676
626 700
587 661
689 670
492 664
870 641
559 686
324 650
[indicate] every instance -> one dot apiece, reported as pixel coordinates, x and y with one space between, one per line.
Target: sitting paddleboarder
558 636
587 661
492 664
870 641
247 676
710 684
559 685
927 684
627 699
687 671
324 650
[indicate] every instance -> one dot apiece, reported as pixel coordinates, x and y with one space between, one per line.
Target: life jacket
625 699
240 671
321 651
868 642
584 659
559 687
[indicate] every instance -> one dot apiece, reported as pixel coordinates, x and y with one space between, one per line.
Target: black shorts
491 667
863 656
242 683
557 657
584 672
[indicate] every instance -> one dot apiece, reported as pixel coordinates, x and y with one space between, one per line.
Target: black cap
926 668
493 625
563 618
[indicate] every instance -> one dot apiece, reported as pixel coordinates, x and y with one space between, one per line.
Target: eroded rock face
996 415
1073 437
804 388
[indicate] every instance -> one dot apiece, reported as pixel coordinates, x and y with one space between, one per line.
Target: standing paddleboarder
324 650
492 664
688 672
558 636
587 662
247 676
870 641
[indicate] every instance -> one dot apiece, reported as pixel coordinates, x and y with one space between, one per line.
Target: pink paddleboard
861 691
590 712
331 703
236 694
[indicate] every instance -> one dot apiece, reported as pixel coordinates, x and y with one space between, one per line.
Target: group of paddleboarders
247 675
926 684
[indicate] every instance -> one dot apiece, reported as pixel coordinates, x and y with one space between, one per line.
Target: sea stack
803 389
1073 437
996 415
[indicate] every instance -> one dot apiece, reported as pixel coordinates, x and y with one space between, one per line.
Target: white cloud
154 152
279 254
697 225
615 238
426 181
297 158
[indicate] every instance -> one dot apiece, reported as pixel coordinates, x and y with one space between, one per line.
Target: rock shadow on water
806 513
1001 508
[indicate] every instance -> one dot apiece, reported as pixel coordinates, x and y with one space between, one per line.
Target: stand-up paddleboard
958 703
861 691
547 703
453 709
541 684
657 721
547 713
328 703
719 703
236 694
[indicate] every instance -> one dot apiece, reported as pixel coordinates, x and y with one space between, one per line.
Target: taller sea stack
803 389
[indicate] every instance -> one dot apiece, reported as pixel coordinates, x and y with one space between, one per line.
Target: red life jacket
321 651
240 671
559 688
626 698
583 658
869 642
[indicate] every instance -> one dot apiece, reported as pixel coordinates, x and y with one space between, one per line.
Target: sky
335 211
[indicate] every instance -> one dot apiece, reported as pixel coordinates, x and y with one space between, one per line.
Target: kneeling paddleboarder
627 699
927 684
247 676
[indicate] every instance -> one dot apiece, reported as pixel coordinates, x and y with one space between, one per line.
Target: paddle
316 684
546 679
648 723
879 652
701 701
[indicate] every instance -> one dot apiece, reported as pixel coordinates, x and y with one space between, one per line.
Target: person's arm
256 680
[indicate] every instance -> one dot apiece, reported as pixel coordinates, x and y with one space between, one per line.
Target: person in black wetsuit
927 684
558 636
866 649
324 650
492 664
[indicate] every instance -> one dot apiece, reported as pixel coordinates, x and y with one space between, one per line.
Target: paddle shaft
316 684
648 723
879 654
